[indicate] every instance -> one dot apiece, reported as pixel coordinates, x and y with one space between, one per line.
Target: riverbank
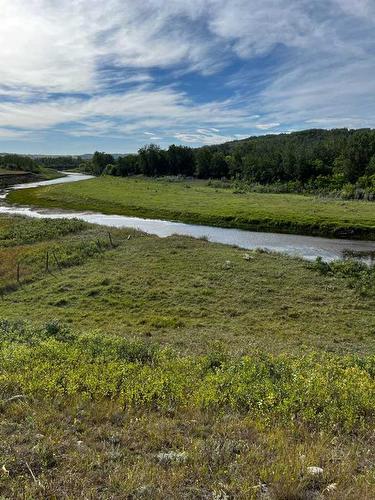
9 178
196 202
182 292
212 371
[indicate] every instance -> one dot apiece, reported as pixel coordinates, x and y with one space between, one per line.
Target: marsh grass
358 275
30 248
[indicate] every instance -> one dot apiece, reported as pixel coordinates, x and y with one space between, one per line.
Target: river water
307 247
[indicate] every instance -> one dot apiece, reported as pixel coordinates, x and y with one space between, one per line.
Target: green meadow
138 367
201 203
180 292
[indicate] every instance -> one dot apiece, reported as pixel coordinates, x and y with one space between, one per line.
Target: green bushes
333 186
322 391
358 275
26 231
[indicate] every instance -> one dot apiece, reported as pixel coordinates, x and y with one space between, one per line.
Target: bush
357 274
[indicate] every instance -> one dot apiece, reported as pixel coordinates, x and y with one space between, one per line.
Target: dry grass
86 450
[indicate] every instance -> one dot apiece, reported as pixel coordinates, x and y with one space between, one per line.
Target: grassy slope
11 177
98 413
179 291
196 202
50 173
5 171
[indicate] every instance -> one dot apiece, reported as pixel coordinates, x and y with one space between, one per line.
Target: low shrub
26 231
320 390
358 275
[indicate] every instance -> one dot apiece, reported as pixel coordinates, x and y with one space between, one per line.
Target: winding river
307 247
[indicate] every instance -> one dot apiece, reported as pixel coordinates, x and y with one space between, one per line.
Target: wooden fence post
56 260
110 239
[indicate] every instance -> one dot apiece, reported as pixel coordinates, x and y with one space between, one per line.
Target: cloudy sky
80 75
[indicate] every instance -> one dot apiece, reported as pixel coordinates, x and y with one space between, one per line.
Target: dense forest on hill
339 160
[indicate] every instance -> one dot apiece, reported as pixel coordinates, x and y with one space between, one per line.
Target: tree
218 165
370 170
100 161
180 160
152 160
128 165
203 162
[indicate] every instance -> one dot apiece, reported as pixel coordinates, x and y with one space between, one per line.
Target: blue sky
81 75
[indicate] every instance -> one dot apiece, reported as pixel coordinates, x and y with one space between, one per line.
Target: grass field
197 202
178 291
138 367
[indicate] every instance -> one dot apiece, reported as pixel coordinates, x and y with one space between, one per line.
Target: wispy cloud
115 69
266 126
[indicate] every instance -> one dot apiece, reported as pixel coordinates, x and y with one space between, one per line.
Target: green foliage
18 162
358 275
28 231
60 162
309 158
322 391
100 162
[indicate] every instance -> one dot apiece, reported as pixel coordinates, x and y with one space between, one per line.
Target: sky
83 75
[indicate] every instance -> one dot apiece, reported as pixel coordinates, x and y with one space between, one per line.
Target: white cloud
12 134
60 46
159 108
202 136
266 126
102 55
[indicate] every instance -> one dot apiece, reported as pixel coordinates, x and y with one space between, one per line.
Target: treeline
18 162
34 164
60 162
314 159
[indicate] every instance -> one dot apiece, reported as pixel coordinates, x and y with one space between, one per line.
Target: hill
339 160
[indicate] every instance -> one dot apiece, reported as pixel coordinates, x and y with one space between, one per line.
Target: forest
28 163
18 162
339 160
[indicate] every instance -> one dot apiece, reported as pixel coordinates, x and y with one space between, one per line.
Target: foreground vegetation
92 415
203 203
176 368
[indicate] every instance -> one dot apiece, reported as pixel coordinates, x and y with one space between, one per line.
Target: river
307 247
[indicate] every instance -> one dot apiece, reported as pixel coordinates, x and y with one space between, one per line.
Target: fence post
56 260
110 239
